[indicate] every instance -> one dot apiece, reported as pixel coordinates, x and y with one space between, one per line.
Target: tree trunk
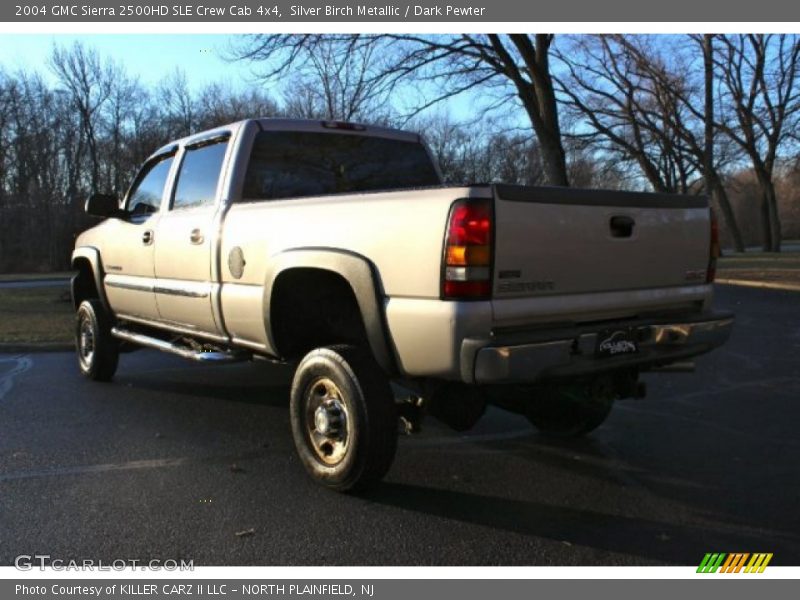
708 152
770 220
553 154
720 194
538 96
554 159
713 182
554 162
773 217
766 231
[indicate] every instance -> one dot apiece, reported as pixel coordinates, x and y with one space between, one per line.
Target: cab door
129 243
186 237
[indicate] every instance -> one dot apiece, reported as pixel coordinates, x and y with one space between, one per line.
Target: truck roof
305 125
337 126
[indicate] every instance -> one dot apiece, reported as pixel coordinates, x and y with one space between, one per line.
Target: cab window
290 164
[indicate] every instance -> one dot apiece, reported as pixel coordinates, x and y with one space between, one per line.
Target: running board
158 344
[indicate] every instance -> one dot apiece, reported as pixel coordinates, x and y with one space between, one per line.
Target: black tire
97 349
344 419
570 410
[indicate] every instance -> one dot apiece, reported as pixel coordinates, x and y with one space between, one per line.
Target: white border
361 573
286 26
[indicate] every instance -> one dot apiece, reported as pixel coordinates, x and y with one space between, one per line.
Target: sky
150 57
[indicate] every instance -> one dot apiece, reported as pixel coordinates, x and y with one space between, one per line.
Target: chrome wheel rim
326 421
85 341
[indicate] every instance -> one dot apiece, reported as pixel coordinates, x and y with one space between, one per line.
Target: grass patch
761 266
761 259
36 315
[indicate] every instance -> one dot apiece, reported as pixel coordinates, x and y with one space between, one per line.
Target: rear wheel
344 420
571 409
97 349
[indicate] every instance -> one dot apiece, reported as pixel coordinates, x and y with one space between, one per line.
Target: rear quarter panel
399 232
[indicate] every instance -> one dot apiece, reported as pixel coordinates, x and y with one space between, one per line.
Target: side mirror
103 205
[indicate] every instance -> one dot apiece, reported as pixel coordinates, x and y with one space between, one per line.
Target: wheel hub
329 419
326 421
86 341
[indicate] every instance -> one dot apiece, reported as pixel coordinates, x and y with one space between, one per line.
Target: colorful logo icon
735 562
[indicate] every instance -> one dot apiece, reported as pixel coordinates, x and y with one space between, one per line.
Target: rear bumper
530 356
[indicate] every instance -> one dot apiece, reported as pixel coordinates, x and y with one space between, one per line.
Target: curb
790 287
13 348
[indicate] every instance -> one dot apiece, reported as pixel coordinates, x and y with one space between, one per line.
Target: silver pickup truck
335 247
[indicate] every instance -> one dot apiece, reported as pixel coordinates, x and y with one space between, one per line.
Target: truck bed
577 255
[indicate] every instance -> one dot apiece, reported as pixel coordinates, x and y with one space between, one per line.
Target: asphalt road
34 283
173 459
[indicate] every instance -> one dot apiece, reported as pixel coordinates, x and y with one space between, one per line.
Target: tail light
714 249
467 263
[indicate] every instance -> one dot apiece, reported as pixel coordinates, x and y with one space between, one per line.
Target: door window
145 195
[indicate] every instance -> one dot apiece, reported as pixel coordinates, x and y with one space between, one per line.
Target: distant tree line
690 114
87 126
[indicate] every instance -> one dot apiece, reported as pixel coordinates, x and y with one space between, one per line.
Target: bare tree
647 101
760 93
90 130
713 179
5 135
590 169
623 111
346 89
121 105
223 103
688 109
175 99
515 65
88 82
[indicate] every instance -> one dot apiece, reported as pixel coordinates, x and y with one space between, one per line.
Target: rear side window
145 196
288 164
199 175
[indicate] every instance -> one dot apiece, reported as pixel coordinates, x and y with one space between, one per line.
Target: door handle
147 237
196 237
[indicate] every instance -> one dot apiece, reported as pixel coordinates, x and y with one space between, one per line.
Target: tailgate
554 241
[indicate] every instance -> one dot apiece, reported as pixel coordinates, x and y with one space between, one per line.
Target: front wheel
344 420
98 350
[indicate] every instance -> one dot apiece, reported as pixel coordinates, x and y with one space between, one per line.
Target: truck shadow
265 394
652 541
249 383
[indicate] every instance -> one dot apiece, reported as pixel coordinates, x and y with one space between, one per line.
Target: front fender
92 256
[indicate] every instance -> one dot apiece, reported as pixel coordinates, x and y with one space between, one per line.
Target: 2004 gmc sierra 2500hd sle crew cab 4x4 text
335 246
